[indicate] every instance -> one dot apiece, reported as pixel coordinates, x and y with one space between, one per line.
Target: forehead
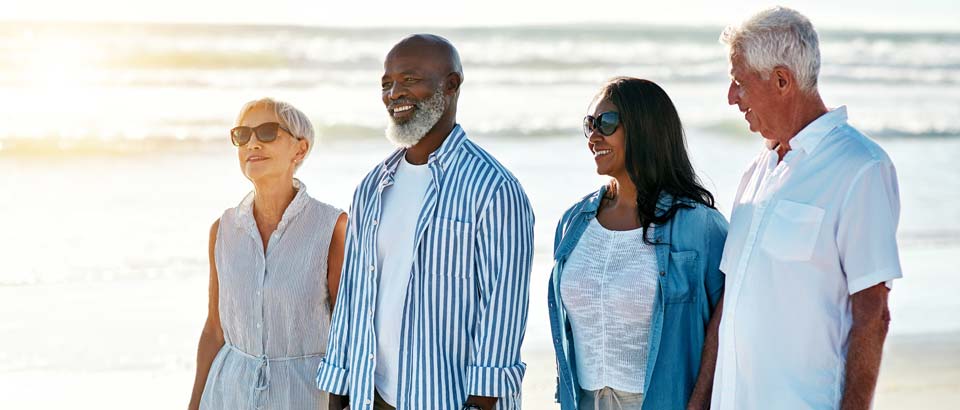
600 106
738 67
259 115
415 60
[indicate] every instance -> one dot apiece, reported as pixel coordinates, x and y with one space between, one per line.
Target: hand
338 402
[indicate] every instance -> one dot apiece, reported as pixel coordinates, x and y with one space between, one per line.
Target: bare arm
700 397
335 258
871 319
211 339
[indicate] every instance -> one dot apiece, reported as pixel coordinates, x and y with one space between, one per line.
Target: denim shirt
689 248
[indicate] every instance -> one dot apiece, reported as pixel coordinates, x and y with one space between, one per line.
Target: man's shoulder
484 163
855 147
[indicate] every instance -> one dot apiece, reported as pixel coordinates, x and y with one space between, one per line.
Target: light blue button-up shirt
466 304
689 286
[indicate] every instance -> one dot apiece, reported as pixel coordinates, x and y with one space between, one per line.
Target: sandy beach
137 352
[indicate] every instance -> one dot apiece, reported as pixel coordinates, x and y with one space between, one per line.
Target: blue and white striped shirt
466 304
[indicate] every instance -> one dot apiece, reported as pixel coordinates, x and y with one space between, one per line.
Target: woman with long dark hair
636 275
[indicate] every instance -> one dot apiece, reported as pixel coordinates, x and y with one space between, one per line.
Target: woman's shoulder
582 204
326 207
700 216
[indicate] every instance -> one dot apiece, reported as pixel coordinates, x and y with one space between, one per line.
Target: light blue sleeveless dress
274 308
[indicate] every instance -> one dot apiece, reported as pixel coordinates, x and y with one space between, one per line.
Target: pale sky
876 14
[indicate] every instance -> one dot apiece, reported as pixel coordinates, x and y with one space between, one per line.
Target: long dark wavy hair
656 159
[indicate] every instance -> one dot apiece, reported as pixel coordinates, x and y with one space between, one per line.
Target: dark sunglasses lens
608 122
267 131
240 135
587 126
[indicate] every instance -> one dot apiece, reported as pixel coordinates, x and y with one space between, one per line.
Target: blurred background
115 157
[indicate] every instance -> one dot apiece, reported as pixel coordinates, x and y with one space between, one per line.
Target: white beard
426 114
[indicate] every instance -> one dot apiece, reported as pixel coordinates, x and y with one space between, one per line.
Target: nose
254 142
395 92
733 93
595 136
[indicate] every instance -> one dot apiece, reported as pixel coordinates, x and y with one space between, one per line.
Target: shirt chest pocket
452 245
677 286
792 231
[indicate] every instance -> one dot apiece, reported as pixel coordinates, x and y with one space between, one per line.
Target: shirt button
375 222
371 268
370 357
367 401
662 273
258 325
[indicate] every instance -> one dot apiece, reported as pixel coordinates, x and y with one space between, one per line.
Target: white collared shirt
805 234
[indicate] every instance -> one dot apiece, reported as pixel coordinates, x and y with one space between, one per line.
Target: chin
254 172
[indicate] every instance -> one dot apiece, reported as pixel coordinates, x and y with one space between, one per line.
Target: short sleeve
867 228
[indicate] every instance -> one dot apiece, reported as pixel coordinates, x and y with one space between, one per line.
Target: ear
302 146
785 81
452 83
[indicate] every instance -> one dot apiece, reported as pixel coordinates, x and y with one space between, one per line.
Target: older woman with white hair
275 263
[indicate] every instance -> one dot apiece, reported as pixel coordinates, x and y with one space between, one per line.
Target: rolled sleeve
867 228
504 254
333 379
495 381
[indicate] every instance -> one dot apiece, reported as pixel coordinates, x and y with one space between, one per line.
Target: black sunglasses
266 132
606 123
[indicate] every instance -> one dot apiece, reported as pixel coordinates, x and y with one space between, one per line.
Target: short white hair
289 117
777 36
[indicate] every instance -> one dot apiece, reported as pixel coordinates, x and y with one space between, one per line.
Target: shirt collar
442 156
245 209
810 136
593 202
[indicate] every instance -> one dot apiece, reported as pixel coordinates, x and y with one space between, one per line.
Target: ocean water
115 160
69 85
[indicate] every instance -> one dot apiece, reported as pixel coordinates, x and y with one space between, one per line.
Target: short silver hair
777 36
290 118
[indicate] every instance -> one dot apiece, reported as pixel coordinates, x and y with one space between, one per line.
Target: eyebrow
405 72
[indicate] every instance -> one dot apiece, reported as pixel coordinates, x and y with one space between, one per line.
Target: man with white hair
811 252
433 298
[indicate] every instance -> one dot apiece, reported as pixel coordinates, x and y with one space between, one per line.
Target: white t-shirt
805 234
608 287
400 210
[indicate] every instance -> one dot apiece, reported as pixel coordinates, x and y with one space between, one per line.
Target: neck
626 195
271 199
420 152
806 109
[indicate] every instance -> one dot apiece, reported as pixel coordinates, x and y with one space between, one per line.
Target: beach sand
131 344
